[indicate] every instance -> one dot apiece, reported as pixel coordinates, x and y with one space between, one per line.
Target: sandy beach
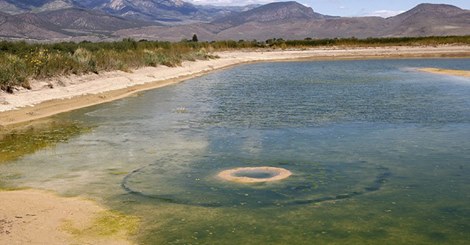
61 94
38 217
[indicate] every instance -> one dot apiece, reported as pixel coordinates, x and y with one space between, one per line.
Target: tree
195 38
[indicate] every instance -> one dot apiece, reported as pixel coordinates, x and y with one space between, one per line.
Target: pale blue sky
349 7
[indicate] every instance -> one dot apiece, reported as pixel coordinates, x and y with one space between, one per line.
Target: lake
379 153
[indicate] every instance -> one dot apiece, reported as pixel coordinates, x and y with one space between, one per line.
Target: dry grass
20 61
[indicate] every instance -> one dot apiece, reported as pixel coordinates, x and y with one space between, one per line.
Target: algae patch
17 143
105 225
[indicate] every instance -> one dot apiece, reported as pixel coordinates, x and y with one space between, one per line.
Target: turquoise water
379 152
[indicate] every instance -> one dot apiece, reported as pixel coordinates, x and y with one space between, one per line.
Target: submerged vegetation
21 142
106 224
22 61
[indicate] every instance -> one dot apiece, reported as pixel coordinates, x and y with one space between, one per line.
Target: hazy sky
383 8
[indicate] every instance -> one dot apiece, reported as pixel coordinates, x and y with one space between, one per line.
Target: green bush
13 72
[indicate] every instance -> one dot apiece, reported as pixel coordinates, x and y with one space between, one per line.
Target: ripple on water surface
309 183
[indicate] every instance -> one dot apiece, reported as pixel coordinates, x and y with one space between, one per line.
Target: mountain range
173 20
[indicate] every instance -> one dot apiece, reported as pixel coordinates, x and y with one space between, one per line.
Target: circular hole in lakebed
302 182
254 174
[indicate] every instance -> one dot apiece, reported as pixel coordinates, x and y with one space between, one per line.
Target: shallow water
379 153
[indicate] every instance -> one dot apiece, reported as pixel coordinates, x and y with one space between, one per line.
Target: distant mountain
430 19
150 10
422 20
291 20
82 20
142 19
10 8
279 11
167 11
63 24
28 26
22 6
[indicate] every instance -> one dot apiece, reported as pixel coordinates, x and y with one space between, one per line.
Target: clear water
379 152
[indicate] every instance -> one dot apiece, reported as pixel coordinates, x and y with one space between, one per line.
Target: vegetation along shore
20 61
60 77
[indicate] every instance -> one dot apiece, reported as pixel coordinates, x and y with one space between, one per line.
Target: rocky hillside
64 24
175 20
290 20
271 13
170 11
430 20
29 26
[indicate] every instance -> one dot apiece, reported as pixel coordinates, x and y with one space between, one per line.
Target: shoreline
62 94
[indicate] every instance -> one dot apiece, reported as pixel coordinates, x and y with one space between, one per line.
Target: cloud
384 13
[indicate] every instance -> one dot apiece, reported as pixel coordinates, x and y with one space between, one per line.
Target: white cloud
384 13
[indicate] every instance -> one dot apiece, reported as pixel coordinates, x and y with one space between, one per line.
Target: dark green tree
195 38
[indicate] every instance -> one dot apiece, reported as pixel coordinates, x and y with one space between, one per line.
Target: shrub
20 61
13 71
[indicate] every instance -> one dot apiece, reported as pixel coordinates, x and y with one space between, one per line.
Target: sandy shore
37 217
460 73
63 94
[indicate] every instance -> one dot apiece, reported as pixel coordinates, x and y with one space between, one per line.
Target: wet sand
61 94
38 217
460 73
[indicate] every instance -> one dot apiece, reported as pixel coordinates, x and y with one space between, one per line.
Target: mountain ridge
272 12
287 20
170 11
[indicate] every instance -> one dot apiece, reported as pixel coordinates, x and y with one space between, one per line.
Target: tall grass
21 61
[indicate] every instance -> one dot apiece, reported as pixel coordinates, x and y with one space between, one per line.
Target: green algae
19 142
342 222
105 224
117 172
